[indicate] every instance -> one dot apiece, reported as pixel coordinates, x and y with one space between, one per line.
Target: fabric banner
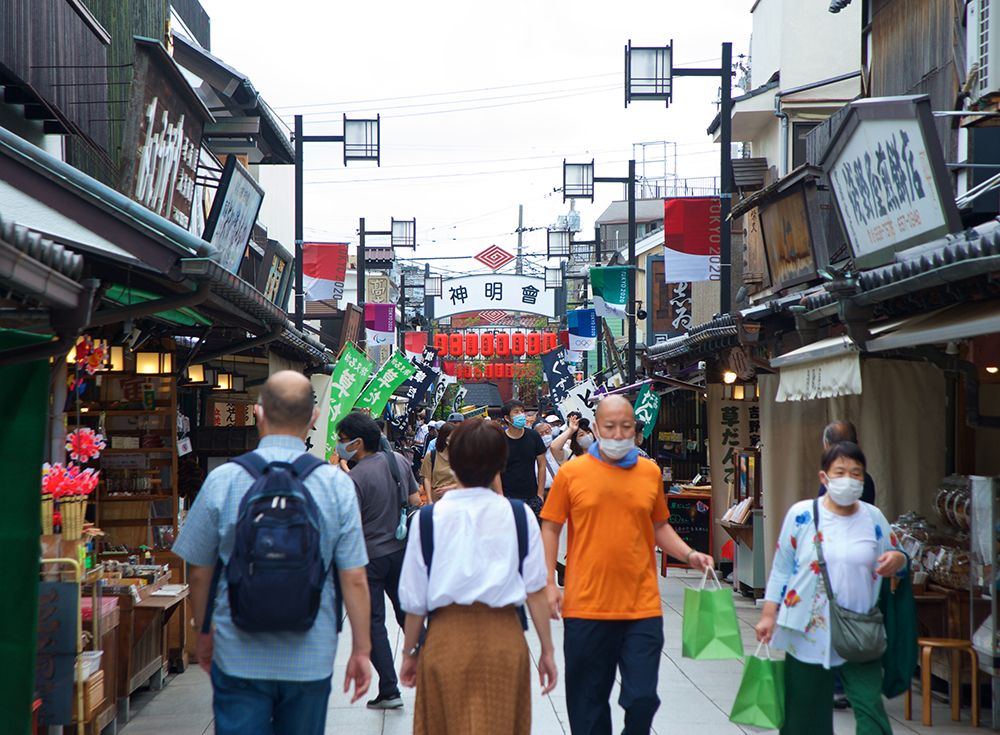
316 438
647 408
423 379
380 326
557 374
610 287
440 388
582 329
349 378
691 239
24 389
324 270
459 401
414 343
582 397
389 377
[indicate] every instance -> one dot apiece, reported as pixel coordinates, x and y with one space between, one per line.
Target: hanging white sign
489 292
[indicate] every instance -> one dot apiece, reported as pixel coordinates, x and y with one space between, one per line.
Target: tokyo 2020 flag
610 290
324 268
582 329
691 232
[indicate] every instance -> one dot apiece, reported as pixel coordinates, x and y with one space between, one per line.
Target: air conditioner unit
983 45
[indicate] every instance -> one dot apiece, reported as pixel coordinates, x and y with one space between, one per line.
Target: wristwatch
413 651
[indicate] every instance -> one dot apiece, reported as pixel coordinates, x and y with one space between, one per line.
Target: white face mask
845 491
585 441
547 439
617 448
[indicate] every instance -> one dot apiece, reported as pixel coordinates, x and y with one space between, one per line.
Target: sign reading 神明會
494 291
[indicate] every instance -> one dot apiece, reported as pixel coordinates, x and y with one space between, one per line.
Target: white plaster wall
766 41
817 44
277 212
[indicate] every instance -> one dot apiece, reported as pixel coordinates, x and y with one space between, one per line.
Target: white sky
543 79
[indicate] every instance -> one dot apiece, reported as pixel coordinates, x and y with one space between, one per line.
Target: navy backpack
275 574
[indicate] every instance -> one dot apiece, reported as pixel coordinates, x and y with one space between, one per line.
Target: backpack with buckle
275 574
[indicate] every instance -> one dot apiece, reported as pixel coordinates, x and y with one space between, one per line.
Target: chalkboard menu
691 517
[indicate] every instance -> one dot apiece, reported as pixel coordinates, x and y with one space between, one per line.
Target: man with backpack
273 543
385 488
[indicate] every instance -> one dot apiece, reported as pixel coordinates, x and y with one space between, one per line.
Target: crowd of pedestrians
278 544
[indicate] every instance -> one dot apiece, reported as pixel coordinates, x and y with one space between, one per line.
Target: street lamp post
578 183
402 234
361 139
649 75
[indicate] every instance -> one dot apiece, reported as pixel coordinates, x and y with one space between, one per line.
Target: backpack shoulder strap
427 536
521 524
305 464
252 463
390 458
434 455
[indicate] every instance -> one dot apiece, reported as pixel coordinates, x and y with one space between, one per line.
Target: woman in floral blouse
859 548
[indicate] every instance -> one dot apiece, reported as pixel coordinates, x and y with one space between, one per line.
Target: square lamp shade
154 363
648 73
578 181
433 286
196 373
557 244
361 140
224 381
404 233
553 278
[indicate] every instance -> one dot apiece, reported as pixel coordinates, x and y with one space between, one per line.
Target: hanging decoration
69 486
90 355
85 444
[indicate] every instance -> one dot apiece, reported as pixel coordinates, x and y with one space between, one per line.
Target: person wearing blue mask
524 476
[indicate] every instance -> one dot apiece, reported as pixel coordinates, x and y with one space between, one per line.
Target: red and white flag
324 270
691 239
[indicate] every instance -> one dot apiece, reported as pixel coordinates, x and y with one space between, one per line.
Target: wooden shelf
118 522
158 411
132 498
140 450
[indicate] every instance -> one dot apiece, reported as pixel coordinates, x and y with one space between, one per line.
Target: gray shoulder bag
857 637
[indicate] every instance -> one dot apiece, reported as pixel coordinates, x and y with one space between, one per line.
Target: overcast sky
480 103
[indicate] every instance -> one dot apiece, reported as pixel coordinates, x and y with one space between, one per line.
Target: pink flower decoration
85 444
72 480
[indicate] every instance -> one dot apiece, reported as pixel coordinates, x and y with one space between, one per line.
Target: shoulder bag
857 637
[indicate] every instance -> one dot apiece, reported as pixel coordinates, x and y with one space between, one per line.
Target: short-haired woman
859 548
578 436
473 671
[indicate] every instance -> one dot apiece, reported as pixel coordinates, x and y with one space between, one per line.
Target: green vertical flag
349 378
647 408
396 370
610 287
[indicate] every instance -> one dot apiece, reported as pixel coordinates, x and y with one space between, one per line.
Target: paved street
693 693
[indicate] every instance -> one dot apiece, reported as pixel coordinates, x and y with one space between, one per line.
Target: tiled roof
42 249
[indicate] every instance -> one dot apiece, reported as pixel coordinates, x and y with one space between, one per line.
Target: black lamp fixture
558 243
433 286
553 278
578 180
649 73
404 233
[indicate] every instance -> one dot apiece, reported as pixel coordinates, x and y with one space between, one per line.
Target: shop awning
824 369
947 325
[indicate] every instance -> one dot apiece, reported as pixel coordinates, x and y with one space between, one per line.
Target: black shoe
386 701
840 702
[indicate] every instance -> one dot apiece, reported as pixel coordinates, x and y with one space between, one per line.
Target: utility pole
519 266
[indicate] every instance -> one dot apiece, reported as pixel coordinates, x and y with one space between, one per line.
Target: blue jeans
266 707
594 649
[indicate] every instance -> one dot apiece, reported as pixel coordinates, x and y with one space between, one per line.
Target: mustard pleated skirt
474 674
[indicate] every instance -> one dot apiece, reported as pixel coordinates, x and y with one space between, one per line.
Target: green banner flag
349 378
396 370
647 407
610 287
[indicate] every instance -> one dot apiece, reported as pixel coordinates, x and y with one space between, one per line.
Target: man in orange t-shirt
614 503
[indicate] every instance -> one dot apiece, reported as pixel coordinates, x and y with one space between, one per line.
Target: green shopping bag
760 701
710 629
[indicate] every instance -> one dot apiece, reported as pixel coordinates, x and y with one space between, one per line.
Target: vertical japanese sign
557 374
349 378
728 433
647 408
58 612
389 377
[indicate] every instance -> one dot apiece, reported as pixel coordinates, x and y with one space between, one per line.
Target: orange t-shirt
611 562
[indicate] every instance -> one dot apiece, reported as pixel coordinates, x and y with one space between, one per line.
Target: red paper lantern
472 344
550 341
503 344
456 345
477 372
489 370
441 343
510 369
534 345
486 344
517 344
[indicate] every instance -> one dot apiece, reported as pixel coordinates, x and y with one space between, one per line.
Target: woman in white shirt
472 672
859 548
